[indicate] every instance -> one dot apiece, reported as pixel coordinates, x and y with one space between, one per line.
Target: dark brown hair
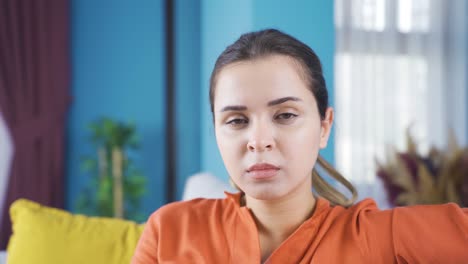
273 42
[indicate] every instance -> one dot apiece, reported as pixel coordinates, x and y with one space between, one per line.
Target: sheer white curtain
397 64
6 155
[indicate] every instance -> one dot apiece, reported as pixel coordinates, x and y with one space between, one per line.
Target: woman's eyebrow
271 103
234 108
282 100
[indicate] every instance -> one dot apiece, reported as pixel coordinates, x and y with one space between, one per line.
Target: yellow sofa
47 235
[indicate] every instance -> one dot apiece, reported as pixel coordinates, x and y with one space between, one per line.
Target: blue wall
118 58
118 71
224 21
187 74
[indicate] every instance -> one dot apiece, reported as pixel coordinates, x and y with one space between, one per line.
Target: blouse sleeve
430 234
147 247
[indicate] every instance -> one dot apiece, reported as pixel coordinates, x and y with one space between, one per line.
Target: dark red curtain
34 98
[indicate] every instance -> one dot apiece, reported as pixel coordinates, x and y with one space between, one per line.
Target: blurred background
96 91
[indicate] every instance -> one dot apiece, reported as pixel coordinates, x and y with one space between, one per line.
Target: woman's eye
286 116
236 122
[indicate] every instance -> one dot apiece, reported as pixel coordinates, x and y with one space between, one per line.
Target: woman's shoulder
405 223
194 206
369 210
366 206
381 235
199 209
359 221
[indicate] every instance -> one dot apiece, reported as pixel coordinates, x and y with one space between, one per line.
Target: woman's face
268 127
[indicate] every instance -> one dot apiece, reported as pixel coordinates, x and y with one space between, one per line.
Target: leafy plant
439 177
116 185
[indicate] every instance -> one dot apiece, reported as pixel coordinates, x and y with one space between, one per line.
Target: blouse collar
321 204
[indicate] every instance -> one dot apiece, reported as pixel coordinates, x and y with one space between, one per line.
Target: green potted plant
116 186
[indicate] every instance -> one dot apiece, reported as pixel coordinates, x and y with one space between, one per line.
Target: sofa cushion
47 235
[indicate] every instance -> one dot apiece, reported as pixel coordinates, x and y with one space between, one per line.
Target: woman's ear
326 125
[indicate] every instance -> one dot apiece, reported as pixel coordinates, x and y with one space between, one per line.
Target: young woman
271 116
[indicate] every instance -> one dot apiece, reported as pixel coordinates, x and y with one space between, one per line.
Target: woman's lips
262 174
262 171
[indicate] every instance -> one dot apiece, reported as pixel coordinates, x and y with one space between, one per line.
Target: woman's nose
261 139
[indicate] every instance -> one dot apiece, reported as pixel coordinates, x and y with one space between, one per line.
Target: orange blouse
222 231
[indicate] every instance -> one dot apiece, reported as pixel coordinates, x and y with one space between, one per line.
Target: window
398 65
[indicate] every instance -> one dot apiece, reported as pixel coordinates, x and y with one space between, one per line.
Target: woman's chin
264 193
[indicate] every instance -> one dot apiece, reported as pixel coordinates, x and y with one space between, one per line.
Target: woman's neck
277 220
282 216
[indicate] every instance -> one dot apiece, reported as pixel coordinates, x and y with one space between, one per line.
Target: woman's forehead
260 81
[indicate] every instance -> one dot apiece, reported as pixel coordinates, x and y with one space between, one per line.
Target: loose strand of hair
327 191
